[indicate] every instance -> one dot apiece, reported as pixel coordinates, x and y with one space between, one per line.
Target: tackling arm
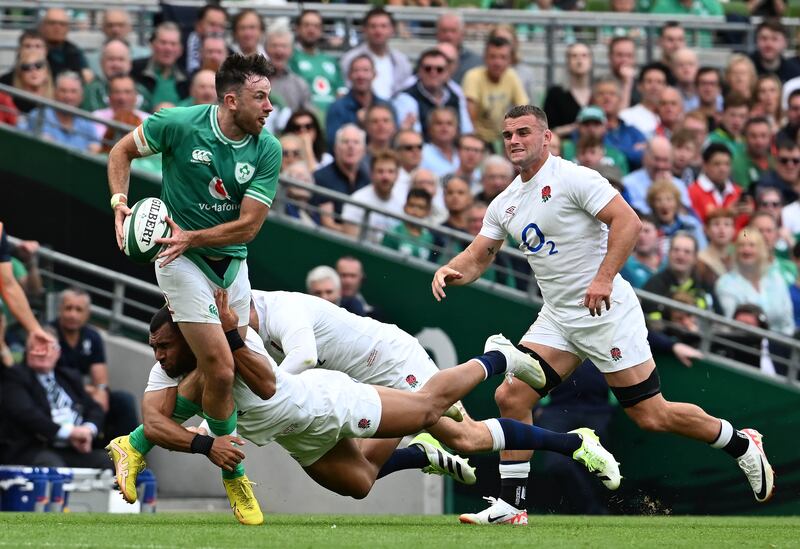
467 266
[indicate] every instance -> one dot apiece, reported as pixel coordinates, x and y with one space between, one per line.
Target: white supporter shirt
553 218
379 223
301 331
291 409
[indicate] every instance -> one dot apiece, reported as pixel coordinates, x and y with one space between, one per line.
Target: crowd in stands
709 157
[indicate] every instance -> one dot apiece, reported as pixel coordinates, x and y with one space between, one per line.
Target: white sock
725 434
498 438
515 470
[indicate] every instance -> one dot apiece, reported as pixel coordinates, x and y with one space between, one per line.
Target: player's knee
430 416
512 401
360 487
219 375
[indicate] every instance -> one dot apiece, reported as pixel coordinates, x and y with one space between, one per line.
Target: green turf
198 531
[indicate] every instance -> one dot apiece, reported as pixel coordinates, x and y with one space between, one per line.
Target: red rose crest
364 423
546 193
616 354
411 379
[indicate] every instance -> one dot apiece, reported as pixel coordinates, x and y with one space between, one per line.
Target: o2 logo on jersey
217 189
534 239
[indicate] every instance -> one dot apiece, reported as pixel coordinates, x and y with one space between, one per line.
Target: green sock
237 472
221 428
184 409
139 441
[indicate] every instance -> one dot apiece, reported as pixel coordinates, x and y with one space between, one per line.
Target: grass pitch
215 530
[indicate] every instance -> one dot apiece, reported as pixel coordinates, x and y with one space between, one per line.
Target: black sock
494 362
412 457
513 489
738 444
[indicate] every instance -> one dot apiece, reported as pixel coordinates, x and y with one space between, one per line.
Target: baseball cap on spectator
591 113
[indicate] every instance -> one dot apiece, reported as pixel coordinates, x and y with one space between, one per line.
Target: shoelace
490 499
593 462
748 468
510 377
245 491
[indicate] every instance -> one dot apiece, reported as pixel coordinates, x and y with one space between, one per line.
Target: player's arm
14 297
133 145
467 266
296 335
623 232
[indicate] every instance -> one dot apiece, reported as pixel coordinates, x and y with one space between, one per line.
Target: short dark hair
734 100
756 311
617 39
670 25
236 69
773 24
361 57
786 144
707 70
431 52
420 193
115 77
752 121
161 317
377 12
654 66
716 148
307 12
244 13
211 7
647 218
499 42
463 136
384 155
29 33
792 95
519 111
588 142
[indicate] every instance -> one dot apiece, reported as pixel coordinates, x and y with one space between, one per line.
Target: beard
247 123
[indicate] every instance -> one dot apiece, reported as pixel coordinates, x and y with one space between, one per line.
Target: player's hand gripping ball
141 229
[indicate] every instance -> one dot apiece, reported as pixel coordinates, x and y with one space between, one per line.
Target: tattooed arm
467 266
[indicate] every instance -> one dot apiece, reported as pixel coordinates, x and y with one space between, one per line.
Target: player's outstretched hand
227 316
39 341
120 213
599 292
174 245
225 454
685 354
440 279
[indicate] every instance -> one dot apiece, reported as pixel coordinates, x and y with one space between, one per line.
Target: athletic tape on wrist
235 341
201 444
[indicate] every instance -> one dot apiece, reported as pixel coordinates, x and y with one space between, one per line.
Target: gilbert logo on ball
141 229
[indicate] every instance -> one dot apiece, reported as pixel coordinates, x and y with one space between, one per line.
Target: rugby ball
141 229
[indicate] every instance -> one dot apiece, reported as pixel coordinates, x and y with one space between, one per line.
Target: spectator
492 89
669 112
605 34
351 109
450 29
29 41
524 72
731 125
767 225
755 159
497 175
83 352
62 127
115 60
767 8
14 298
380 127
752 281
590 151
122 108
714 188
554 147
646 259
740 76
684 69
32 74
440 155
680 325
750 349
794 289
62 55
451 55
298 199
213 52
790 216
697 123
701 38
768 57
430 90
562 104
768 101
293 150
592 123
212 20
651 84
622 62
717 258
627 139
471 152
51 420
203 90
769 200
288 86
680 274
792 127
785 171
346 174
408 145
323 282
380 194
409 238
351 275
457 199
671 40
663 198
160 73
304 124
392 67
684 154
429 182
319 70
116 26
657 165
709 95
248 33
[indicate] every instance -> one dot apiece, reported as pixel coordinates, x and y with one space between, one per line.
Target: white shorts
407 366
344 408
190 293
614 341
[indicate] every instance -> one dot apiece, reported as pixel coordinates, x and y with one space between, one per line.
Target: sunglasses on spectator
788 160
768 204
304 127
434 68
414 147
291 152
25 67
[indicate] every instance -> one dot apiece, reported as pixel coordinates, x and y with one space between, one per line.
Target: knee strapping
634 394
552 379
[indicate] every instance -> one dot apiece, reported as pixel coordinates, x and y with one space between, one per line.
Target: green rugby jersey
206 175
321 72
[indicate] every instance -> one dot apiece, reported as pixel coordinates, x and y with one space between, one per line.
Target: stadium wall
663 473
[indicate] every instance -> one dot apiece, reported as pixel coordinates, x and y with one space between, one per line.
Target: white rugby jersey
552 216
301 331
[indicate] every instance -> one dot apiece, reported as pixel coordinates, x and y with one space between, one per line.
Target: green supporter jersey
611 156
400 239
321 72
205 175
